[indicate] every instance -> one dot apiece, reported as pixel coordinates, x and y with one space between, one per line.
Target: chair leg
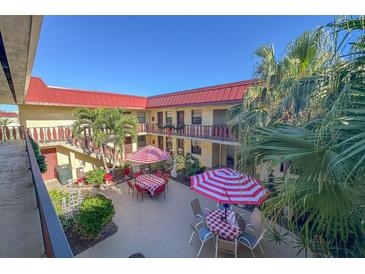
191 238
200 249
235 247
253 254
216 246
262 250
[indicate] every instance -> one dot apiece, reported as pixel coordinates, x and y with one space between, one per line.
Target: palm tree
119 126
317 127
4 122
105 126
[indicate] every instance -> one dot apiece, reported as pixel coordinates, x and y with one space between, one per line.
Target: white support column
73 164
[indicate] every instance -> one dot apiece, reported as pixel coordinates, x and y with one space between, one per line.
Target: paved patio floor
162 228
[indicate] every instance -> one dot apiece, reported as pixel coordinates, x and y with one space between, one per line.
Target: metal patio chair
203 233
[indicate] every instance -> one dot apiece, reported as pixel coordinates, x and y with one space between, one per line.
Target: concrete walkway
162 228
20 228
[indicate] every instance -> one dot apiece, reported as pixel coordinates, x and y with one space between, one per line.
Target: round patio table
220 227
149 182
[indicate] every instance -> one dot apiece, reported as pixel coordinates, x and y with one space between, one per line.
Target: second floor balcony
219 132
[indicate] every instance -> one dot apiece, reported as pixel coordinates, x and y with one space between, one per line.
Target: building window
168 144
196 147
169 117
142 141
180 146
196 117
141 117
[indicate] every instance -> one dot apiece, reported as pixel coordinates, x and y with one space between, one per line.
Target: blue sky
147 55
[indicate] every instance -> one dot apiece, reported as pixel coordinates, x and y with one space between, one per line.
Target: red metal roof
231 93
41 94
8 114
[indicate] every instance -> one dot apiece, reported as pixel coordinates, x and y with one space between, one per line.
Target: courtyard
161 228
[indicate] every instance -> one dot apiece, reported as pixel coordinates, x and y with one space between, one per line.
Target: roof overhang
18 44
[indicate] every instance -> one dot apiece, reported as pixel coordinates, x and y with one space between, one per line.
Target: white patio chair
251 241
254 220
197 210
203 233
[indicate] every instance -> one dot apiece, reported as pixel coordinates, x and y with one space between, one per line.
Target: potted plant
95 177
108 178
126 169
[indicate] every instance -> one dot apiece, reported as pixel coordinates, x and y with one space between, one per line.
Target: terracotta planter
126 171
108 179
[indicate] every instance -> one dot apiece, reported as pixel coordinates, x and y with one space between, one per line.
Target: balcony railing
44 135
54 238
211 132
64 133
11 133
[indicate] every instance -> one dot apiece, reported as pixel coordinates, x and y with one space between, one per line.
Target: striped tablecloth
150 182
221 227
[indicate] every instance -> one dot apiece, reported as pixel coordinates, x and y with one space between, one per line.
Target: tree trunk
103 158
115 154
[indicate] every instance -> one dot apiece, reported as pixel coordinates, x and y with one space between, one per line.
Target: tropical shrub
56 198
41 160
95 177
307 111
106 126
163 165
95 213
188 166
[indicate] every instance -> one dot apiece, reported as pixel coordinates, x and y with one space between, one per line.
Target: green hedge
95 213
95 177
188 166
38 155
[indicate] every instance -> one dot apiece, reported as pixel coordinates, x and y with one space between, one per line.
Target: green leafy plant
188 166
41 160
95 177
307 112
163 165
106 126
56 198
95 213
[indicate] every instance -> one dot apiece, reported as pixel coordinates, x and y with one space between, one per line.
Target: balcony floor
20 227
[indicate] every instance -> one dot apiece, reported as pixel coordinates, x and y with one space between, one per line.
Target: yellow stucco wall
45 116
76 160
207 113
50 116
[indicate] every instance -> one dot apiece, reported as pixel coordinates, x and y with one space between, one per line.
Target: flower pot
127 171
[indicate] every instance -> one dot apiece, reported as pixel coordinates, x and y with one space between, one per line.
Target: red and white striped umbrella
148 155
228 186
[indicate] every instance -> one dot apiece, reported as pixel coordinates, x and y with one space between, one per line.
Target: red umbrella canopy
228 186
148 155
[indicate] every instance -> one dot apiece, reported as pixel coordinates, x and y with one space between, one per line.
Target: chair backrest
130 184
159 173
139 188
166 177
241 222
136 174
256 218
160 189
195 205
260 237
